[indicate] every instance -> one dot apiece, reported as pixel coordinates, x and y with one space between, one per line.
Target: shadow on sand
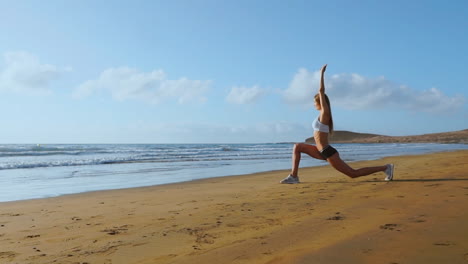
429 180
404 180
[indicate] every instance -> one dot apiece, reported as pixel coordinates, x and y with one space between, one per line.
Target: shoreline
254 219
286 171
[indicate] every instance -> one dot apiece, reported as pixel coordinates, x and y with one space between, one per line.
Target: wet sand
420 217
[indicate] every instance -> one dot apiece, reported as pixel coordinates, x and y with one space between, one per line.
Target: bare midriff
321 139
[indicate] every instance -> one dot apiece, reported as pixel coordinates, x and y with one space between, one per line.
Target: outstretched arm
322 84
325 109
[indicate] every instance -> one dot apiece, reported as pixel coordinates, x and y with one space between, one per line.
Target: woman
323 126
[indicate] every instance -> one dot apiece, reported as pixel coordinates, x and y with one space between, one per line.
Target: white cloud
23 73
302 88
353 91
244 95
126 83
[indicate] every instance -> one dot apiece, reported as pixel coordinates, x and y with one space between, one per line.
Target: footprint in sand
336 217
7 255
11 214
418 219
444 243
196 247
116 230
390 227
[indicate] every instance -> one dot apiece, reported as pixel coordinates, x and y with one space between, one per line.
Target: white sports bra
317 126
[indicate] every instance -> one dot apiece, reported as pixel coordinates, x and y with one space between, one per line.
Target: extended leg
344 168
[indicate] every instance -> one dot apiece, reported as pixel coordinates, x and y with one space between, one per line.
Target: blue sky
228 71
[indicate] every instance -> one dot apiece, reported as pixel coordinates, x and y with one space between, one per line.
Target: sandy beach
420 217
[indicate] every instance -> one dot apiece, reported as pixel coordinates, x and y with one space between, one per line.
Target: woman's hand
324 68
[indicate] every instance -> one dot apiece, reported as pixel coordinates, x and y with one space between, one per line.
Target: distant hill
352 137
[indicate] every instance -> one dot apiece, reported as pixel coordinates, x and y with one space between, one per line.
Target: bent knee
297 147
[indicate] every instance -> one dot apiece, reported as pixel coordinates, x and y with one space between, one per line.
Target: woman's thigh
310 150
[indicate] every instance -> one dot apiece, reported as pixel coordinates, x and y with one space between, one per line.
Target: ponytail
331 117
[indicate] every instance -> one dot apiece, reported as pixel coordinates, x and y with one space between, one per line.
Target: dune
353 137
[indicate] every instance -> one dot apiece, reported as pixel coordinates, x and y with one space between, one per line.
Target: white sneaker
290 180
389 172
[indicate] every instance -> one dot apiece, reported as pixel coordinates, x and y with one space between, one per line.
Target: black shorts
328 151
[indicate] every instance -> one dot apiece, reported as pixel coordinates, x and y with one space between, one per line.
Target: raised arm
322 84
325 109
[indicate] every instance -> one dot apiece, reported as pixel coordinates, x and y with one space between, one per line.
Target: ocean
39 171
